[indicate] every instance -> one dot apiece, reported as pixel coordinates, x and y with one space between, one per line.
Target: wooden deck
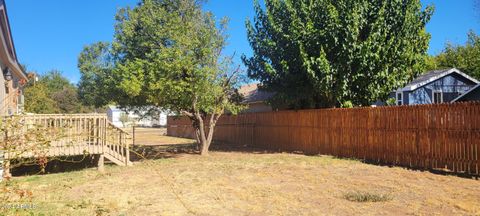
77 134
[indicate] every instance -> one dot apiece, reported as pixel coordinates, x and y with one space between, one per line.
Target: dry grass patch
251 184
255 183
155 136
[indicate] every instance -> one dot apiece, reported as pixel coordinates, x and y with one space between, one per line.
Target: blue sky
50 34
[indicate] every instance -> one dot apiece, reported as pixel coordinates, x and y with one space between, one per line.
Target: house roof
431 76
471 91
7 48
253 94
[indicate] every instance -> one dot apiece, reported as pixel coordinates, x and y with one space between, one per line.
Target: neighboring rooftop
253 94
432 76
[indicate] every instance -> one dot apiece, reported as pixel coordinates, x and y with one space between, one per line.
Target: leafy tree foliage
95 65
68 102
38 100
466 58
324 53
53 93
168 54
55 81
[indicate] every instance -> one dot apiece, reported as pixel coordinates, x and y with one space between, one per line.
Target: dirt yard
236 181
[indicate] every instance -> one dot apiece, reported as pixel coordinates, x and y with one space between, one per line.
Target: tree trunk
195 126
204 149
204 136
205 142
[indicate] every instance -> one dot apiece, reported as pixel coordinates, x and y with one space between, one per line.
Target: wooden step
120 162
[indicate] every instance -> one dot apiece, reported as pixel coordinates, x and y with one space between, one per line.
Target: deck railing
73 135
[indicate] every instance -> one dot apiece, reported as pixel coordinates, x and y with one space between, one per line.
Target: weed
366 197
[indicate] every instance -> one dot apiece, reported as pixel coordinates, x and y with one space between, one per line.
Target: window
399 98
437 97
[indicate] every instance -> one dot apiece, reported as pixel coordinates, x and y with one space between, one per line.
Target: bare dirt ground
235 181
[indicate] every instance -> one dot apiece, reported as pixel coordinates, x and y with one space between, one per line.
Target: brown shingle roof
252 94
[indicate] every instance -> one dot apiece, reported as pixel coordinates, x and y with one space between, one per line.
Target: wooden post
5 165
127 153
1 164
133 142
101 163
6 169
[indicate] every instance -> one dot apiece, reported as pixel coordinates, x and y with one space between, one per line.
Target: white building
114 115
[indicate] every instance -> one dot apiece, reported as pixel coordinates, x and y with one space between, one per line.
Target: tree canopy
53 93
95 65
38 100
166 54
327 53
463 57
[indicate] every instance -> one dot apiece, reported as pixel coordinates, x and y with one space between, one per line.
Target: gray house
439 86
471 95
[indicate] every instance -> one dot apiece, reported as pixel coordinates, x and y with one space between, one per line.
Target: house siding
406 98
3 94
473 95
451 86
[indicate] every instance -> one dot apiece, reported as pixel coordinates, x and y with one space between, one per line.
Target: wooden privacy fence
441 136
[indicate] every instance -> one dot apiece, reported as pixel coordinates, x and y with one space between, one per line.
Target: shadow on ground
57 165
164 151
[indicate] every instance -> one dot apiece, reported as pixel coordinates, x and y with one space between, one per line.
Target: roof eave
453 70
10 61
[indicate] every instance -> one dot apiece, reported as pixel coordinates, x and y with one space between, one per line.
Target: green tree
38 100
322 53
53 93
466 58
167 53
95 65
430 63
67 101
55 81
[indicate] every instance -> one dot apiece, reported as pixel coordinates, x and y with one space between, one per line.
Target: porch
74 135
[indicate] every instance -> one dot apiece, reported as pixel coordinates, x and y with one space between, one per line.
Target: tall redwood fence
426 136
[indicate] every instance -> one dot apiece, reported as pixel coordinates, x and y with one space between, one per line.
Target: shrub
391 102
